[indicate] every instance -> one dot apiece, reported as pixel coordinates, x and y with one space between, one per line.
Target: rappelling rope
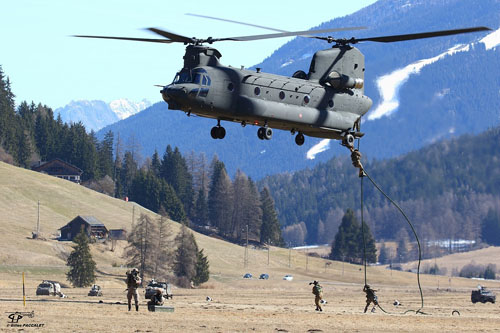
356 162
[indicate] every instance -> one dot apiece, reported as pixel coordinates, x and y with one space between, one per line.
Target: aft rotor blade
284 34
172 36
248 24
237 22
151 40
400 38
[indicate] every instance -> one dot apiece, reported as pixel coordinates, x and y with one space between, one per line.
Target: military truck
482 295
47 287
95 291
155 285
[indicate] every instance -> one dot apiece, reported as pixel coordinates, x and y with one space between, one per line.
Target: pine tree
163 253
175 172
82 266
142 246
186 257
105 155
270 229
156 164
348 242
369 248
220 198
200 216
345 246
202 269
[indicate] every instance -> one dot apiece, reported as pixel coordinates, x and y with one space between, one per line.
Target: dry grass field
239 305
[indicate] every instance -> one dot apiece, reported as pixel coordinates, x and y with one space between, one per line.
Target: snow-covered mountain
98 114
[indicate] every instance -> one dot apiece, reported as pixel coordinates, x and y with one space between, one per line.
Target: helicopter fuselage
317 104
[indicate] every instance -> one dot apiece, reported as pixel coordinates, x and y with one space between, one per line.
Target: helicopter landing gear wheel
265 133
348 140
218 132
260 133
299 139
268 133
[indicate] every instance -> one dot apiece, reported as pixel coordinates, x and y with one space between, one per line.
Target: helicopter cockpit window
182 77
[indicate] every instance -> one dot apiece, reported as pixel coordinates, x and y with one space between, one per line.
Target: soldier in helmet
156 299
370 297
133 282
317 290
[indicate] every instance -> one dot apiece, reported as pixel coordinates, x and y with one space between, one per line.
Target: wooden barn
118 234
60 169
93 227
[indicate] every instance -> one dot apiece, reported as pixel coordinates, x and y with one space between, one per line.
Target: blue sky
45 65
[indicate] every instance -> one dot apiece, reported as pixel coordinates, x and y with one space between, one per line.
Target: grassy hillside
61 201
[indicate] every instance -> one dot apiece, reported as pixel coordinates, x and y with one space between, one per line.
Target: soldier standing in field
370 297
317 290
133 282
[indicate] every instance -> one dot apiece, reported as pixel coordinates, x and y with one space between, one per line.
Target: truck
47 287
155 285
483 295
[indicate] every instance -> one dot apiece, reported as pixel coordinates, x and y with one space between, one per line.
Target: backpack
317 290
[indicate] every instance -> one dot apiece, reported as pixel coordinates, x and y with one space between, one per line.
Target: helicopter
327 102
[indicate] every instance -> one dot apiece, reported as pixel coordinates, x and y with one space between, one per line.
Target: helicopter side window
197 78
204 82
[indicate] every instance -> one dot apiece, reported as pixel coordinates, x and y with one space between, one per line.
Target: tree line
450 190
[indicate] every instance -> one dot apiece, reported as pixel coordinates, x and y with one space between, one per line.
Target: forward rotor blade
151 40
400 38
284 34
172 36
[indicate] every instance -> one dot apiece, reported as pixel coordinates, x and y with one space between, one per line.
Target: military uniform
370 297
317 290
156 299
133 282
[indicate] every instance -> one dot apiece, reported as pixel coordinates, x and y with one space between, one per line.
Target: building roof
58 167
90 220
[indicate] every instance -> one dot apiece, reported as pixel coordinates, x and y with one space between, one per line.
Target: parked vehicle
247 276
155 285
48 287
264 276
95 291
288 277
482 295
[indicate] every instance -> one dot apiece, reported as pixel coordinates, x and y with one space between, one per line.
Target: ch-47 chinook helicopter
326 102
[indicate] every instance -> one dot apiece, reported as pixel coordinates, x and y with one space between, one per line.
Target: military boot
137 308
129 306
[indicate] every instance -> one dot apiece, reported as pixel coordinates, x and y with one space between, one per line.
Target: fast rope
356 162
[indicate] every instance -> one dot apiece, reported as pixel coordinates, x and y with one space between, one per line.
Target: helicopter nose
173 92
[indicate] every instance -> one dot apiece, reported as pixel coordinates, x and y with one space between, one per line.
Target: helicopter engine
341 81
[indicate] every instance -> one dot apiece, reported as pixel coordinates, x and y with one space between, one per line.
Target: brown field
239 305
256 306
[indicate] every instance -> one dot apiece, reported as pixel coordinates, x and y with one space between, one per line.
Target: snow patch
123 108
491 40
390 84
318 148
